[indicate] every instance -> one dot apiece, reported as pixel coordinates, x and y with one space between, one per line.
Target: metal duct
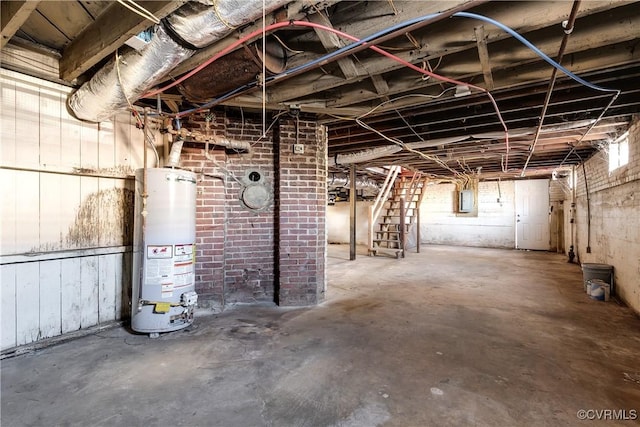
238 68
516 133
200 23
375 153
364 155
106 93
387 150
194 25
362 183
435 142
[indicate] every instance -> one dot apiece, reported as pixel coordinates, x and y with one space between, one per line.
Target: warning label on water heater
184 250
170 266
183 266
159 252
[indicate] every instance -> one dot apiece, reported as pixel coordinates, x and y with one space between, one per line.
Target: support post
417 227
402 225
352 213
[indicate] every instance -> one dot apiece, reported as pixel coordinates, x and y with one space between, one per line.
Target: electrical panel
465 201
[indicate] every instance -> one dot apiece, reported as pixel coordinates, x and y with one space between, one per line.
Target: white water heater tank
164 297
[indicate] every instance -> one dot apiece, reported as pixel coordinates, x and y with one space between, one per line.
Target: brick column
301 212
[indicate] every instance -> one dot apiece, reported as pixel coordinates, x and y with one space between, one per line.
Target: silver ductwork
337 181
364 155
387 150
191 27
115 85
202 22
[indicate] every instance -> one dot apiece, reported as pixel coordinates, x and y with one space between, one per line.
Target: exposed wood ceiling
441 133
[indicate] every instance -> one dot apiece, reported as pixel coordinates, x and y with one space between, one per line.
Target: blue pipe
393 28
531 46
317 61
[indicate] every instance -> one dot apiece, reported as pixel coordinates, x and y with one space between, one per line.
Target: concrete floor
449 337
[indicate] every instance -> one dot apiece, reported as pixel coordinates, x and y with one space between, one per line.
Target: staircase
395 212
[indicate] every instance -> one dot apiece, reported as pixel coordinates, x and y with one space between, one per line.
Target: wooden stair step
389 251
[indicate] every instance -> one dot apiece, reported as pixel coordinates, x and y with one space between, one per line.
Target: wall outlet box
298 148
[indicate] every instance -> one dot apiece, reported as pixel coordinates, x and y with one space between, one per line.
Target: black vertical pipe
352 216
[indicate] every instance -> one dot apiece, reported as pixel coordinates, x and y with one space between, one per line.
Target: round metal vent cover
255 196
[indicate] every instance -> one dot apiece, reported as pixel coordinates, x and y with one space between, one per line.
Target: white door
532 214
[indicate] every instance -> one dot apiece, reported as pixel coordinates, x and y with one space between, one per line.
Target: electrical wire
139 10
400 143
149 139
294 52
273 122
616 92
411 95
217 56
365 42
356 42
152 143
318 61
226 172
396 141
124 92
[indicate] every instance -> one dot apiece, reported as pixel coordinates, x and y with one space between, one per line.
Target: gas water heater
164 297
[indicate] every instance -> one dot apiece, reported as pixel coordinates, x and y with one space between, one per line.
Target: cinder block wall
272 254
494 226
614 226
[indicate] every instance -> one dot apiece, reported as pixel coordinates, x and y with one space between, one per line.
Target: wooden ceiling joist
107 33
13 15
331 42
297 9
459 38
483 54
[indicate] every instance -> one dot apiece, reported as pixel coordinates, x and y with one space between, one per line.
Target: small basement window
619 152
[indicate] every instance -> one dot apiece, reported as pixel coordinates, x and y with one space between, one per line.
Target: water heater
164 297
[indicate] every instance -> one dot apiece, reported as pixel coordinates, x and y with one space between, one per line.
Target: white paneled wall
66 213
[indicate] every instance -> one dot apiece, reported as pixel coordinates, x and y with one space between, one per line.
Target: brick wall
612 231
559 190
271 254
210 226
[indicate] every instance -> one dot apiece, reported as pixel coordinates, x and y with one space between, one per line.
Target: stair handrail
383 195
416 178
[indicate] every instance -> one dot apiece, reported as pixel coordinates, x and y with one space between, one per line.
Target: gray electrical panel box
465 201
